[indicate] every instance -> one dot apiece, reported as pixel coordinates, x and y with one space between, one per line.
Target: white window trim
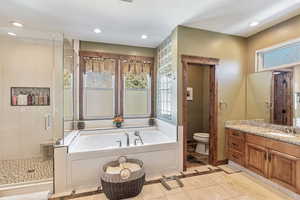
258 59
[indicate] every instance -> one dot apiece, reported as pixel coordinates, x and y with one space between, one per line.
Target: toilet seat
201 137
205 135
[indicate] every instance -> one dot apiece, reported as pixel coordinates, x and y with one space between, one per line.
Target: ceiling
124 23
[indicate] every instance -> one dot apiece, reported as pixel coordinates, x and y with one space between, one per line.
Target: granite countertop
267 132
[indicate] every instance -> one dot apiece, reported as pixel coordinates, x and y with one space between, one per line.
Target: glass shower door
31 113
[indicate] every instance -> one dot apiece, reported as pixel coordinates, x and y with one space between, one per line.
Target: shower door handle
48 123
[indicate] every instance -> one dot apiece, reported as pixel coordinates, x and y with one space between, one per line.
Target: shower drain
30 170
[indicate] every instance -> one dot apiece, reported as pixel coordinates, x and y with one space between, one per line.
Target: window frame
259 60
167 91
149 98
118 83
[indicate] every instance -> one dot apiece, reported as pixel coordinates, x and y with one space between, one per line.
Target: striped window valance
133 67
99 65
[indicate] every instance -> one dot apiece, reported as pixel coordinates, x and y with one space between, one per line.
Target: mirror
274 96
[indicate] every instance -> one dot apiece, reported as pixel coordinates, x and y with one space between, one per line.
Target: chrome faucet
119 142
290 130
127 141
137 133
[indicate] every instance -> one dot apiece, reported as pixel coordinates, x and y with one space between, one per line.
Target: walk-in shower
31 62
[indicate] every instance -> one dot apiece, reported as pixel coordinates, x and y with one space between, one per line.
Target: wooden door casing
256 159
283 169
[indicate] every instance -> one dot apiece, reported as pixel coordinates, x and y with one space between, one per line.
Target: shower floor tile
25 170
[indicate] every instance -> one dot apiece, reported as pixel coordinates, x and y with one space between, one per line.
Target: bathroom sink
281 134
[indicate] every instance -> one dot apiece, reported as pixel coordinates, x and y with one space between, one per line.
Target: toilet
202 142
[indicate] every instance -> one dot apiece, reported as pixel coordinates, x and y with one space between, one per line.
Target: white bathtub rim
82 155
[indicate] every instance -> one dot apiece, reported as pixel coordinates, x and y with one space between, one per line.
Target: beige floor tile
209 193
216 186
220 177
175 188
229 168
257 189
152 192
197 182
233 189
244 198
178 196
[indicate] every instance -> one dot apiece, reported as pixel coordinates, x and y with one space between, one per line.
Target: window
283 55
68 80
99 89
137 94
164 92
115 86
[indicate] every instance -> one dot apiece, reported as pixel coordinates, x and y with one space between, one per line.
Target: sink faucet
128 141
290 130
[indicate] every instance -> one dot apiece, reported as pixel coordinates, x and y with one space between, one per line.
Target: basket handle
122 159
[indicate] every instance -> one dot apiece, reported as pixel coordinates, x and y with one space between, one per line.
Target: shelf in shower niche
30 96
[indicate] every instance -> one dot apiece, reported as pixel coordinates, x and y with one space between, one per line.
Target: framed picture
189 94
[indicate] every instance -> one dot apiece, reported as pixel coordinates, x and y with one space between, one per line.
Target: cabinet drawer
236 134
236 156
258 140
236 144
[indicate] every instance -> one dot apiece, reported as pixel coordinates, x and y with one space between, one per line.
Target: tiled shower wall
28 62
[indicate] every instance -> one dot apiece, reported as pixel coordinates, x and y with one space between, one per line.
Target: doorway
212 109
282 96
198 89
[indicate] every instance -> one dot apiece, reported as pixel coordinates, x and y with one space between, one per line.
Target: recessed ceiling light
253 24
11 34
144 36
128 1
97 30
17 24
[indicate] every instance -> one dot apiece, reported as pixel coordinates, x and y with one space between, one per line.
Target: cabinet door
256 159
282 169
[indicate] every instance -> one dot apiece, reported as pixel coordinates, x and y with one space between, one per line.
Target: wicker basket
116 187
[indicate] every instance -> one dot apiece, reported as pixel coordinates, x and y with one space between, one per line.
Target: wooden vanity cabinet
275 160
283 169
236 146
256 159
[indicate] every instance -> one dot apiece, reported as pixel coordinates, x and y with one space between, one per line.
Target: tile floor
24 170
215 186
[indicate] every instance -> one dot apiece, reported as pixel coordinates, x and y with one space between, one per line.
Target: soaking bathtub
90 150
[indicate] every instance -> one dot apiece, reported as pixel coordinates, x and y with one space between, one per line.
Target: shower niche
30 96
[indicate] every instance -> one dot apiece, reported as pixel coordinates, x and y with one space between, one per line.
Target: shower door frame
213 106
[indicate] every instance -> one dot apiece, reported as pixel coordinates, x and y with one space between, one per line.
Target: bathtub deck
25 170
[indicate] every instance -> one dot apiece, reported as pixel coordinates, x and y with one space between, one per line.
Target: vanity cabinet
256 159
283 169
275 160
236 146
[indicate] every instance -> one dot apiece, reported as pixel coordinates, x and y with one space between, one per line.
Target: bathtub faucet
137 133
128 141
